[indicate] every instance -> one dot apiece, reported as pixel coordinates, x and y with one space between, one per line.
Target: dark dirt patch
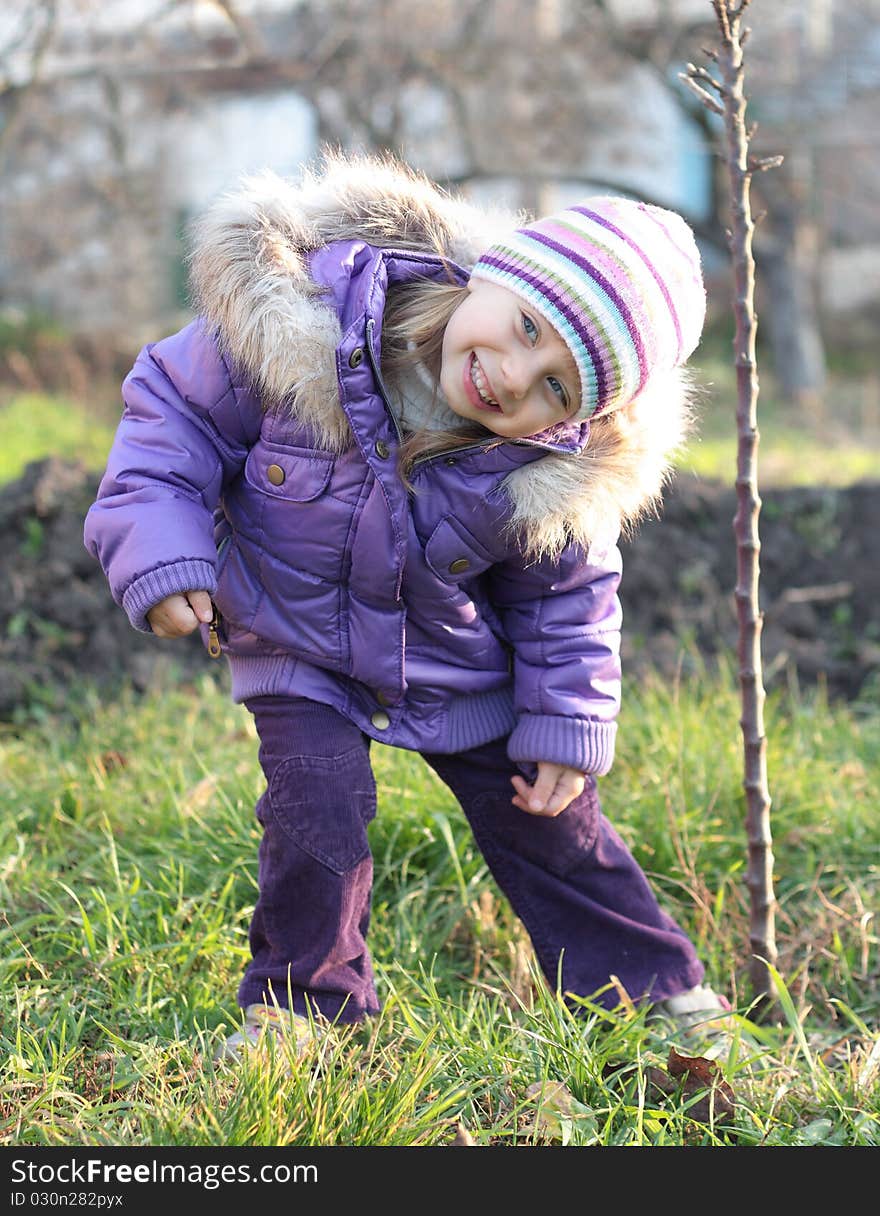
819 582
820 589
58 622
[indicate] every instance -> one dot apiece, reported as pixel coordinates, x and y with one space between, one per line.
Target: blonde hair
416 316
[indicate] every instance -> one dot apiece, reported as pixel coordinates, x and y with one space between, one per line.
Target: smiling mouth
481 384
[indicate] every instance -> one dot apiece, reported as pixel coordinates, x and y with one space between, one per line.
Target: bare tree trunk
740 166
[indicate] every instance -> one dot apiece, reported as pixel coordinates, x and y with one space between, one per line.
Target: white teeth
479 382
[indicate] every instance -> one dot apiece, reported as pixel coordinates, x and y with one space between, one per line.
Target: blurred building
133 114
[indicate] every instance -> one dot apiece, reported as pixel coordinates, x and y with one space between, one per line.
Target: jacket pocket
453 554
289 473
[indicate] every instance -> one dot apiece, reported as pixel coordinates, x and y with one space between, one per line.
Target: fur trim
250 281
249 277
615 481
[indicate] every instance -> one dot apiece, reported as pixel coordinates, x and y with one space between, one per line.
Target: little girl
384 471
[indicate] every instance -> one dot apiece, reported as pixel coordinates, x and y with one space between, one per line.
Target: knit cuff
193 574
580 743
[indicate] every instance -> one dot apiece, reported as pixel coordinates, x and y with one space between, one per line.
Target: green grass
34 426
128 871
834 441
785 458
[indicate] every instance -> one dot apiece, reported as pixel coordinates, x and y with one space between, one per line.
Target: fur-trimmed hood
250 281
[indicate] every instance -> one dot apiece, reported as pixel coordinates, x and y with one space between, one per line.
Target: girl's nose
516 376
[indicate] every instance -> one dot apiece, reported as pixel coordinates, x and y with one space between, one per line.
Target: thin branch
706 98
758 164
822 593
695 73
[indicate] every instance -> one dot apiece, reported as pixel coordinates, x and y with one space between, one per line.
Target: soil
819 580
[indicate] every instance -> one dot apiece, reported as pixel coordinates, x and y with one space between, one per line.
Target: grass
834 441
128 871
34 426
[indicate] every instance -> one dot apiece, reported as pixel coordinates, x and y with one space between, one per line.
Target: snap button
356 358
450 460
380 720
382 699
382 449
459 565
275 473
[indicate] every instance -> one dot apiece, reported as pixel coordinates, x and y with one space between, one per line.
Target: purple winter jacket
415 614
412 614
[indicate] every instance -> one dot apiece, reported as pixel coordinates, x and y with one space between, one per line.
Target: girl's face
504 366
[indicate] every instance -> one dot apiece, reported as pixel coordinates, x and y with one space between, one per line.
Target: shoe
699 1019
267 1025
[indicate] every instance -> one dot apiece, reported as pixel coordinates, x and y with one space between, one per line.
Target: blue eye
530 327
559 389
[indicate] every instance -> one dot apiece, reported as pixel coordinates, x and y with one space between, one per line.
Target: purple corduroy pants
583 899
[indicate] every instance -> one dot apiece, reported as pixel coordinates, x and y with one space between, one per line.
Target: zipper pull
213 634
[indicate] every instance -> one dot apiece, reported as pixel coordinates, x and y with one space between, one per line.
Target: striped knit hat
619 281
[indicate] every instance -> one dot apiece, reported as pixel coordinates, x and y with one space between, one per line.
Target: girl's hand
179 614
555 787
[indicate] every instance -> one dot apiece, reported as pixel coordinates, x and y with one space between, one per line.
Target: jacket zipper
371 324
214 648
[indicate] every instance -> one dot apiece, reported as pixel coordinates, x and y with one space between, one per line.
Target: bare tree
21 58
726 98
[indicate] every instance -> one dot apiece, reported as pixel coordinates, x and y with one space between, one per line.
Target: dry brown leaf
701 1069
690 1075
463 1138
112 760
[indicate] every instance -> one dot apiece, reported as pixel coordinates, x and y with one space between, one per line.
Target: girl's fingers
552 792
180 614
566 791
524 794
200 602
532 799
